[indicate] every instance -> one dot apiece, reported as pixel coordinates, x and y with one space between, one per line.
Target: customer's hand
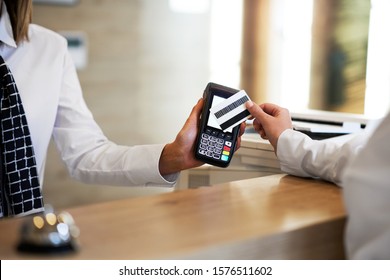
180 154
270 120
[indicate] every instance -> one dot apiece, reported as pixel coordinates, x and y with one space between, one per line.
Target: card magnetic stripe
234 120
231 107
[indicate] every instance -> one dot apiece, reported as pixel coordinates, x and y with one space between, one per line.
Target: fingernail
249 104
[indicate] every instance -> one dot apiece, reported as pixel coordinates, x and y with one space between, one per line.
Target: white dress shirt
361 165
366 187
299 155
52 97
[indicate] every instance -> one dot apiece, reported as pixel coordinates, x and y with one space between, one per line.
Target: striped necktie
20 193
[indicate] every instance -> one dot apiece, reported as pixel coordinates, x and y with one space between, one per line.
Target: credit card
232 111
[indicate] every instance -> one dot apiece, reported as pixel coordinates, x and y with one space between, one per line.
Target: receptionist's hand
179 155
270 120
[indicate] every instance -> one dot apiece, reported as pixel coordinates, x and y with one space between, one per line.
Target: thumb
196 112
255 110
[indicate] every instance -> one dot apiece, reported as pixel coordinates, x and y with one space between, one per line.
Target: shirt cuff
290 152
170 179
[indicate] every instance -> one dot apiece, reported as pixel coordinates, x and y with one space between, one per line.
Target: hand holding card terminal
213 145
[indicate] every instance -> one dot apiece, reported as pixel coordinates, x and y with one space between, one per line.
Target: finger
255 110
270 108
242 129
256 125
196 112
238 145
197 109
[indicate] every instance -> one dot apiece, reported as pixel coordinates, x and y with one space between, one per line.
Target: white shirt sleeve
89 155
367 198
299 155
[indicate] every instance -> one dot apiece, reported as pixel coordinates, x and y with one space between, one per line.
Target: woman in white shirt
361 165
54 106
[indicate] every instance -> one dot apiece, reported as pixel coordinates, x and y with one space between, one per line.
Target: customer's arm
298 154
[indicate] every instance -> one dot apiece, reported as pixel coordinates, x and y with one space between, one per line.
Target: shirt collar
6 34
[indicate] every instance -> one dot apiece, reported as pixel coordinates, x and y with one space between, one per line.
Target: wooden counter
272 217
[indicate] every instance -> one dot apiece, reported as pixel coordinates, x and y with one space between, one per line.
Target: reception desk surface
272 217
